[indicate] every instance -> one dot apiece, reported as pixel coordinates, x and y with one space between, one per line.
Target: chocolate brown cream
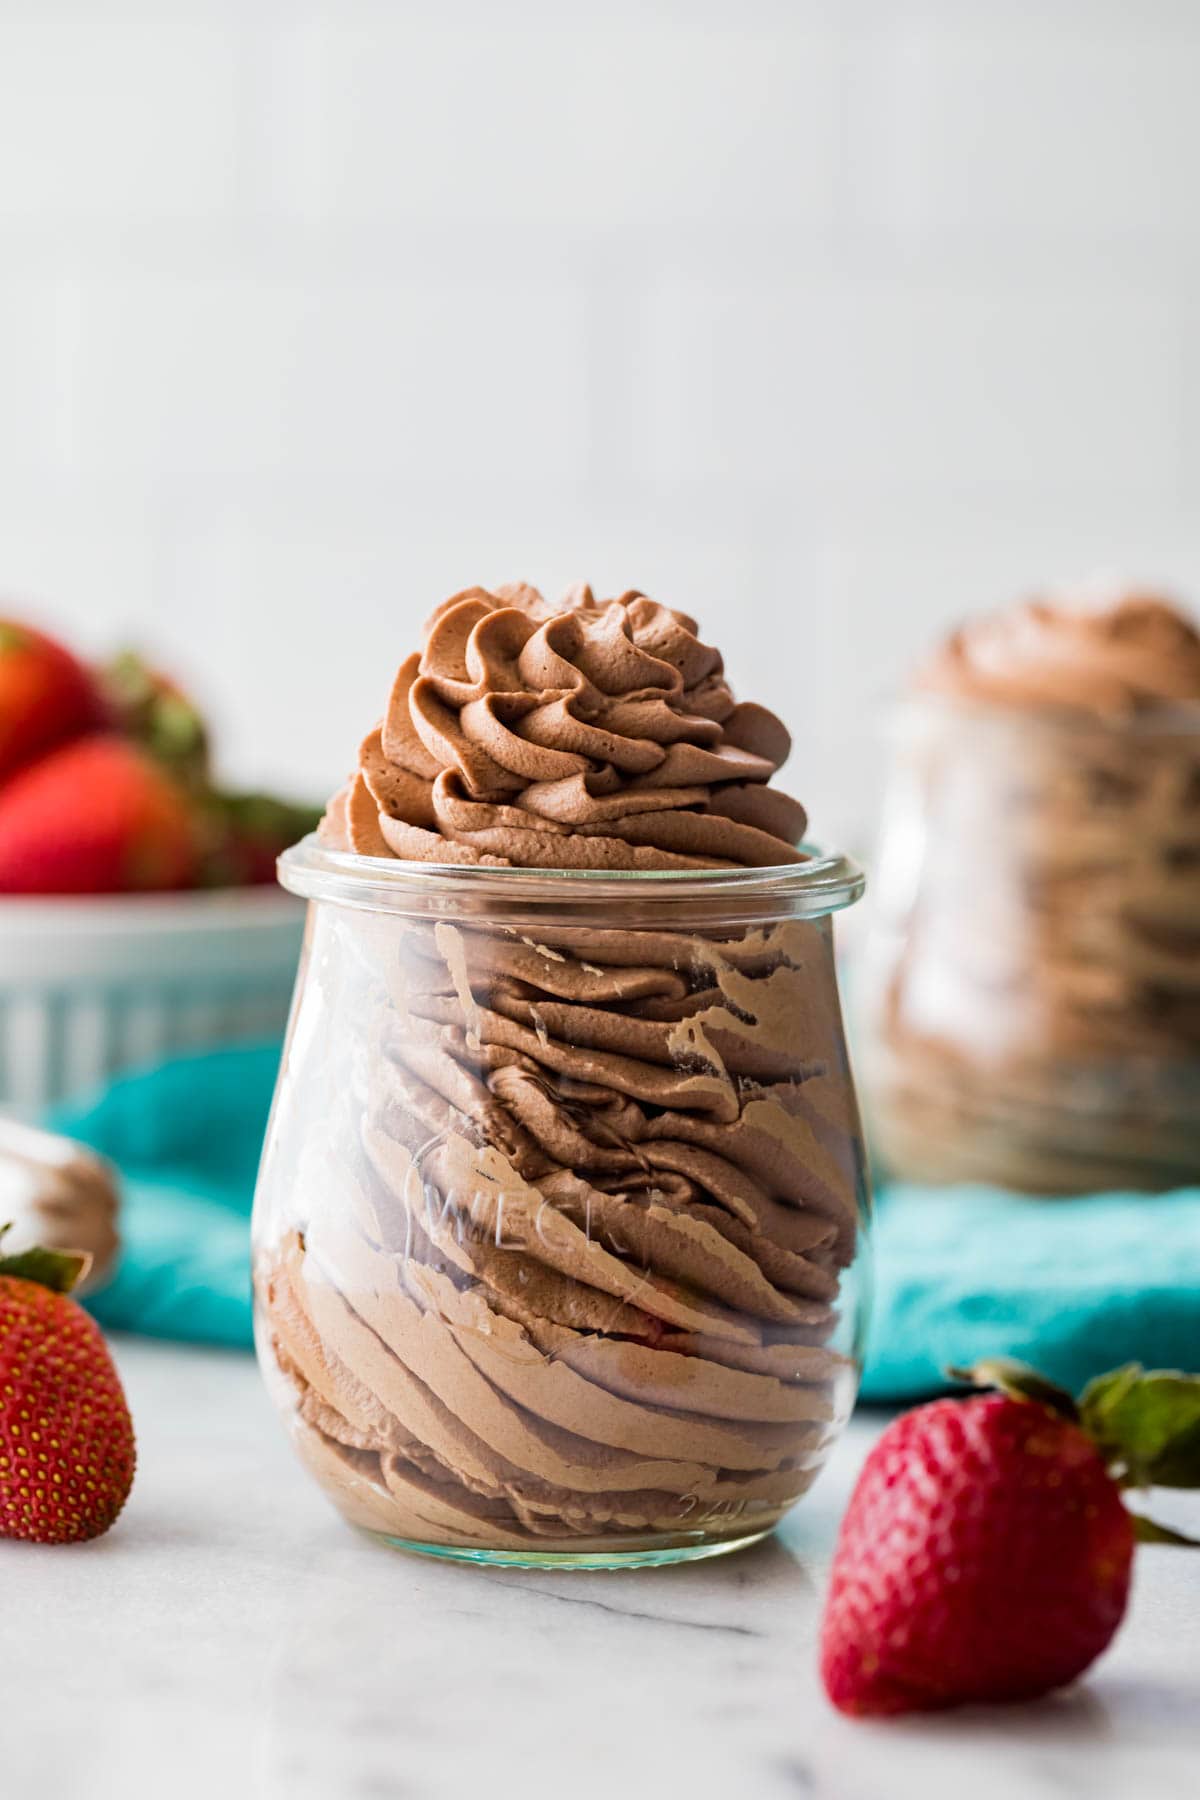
564 1269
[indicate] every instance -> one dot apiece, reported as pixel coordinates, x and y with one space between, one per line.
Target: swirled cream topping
57 1194
592 734
1130 655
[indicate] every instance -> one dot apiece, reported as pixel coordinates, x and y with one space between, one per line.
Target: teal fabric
1073 1285
186 1138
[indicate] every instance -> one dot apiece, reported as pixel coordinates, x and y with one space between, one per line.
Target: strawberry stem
1019 1382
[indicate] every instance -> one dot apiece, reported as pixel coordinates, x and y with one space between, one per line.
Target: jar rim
824 883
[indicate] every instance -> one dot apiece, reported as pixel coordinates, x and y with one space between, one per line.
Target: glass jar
560 1229
1032 976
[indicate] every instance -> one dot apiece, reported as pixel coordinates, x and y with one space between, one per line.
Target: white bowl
92 986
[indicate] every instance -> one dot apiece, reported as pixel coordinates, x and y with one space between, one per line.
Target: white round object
58 1195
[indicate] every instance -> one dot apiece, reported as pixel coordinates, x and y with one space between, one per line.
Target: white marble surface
231 1638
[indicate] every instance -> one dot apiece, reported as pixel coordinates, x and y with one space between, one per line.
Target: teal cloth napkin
1074 1285
186 1138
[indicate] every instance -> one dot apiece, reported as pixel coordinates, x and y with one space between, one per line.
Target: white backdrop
829 322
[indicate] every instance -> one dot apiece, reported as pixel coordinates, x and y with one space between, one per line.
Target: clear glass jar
1032 975
560 1230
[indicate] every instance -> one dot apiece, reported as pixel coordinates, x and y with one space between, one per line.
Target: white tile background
830 322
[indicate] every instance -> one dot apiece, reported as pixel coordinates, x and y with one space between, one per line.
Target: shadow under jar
560 1231
1032 977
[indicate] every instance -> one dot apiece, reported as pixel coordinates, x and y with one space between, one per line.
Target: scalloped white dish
89 987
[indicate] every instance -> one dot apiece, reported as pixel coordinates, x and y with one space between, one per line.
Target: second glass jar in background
560 1234
1032 982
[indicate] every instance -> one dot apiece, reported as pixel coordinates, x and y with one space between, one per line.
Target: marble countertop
232 1638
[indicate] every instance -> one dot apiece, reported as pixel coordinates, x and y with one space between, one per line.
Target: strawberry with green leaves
987 1550
66 1438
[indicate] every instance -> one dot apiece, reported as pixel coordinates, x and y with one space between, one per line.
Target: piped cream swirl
595 735
1127 656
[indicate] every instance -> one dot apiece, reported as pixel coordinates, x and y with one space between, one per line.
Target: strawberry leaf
12 637
1146 1531
1019 1382
58 1270
1103 1396
1147 1425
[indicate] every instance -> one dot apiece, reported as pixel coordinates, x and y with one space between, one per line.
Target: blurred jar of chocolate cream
560 1233
1032 979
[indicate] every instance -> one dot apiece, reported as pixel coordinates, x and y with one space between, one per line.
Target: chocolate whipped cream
550 1256
599 735
1137 654
56 1193
1040 905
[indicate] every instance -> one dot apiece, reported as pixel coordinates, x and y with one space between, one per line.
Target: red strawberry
986 1551
46 696
95 817
66 1439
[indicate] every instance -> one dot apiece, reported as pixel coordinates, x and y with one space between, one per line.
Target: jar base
575 1559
